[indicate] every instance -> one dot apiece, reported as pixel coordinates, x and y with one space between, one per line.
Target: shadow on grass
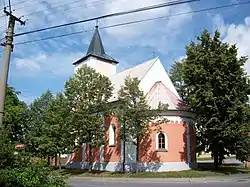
227 170
196 173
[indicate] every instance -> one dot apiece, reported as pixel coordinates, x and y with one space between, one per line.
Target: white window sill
161 150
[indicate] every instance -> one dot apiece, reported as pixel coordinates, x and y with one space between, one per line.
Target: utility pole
6 59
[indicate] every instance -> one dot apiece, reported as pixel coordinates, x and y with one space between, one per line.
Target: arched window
112 133
161 141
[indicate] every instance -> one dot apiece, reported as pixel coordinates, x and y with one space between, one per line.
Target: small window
161 141
112 134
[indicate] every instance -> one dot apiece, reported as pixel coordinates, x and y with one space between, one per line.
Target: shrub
34 174
19 170
7 156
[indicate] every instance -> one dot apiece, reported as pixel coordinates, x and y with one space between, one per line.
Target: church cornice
97 57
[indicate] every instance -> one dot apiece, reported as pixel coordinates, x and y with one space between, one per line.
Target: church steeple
96 50
96 46
97 58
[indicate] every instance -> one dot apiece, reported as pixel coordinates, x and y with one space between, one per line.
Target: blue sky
43 65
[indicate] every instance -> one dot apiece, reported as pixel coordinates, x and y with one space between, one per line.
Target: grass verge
198 173
210 158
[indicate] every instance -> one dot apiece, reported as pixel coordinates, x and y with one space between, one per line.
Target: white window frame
157 140
112 135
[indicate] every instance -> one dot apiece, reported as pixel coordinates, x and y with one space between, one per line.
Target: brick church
171 149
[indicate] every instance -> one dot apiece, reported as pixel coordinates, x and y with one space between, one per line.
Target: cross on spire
96 24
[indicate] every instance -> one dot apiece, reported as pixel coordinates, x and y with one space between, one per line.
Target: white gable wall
157 73
105 68
138 71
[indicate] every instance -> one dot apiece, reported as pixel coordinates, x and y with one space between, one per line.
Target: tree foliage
6 150
216 87
15 115
37 140
16 166
134 113
88 93
33 174
59 128
176 76
133 109
17 169
50 126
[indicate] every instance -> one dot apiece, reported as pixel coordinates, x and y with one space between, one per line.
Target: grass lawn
173 174
203 158
209 158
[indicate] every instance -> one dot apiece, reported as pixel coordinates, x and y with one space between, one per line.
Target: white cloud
56 56
175 23
26 98
138 30
180 58
59 64
236 34
219 24
27 63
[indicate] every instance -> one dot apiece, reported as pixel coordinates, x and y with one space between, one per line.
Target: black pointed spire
96 46
96 49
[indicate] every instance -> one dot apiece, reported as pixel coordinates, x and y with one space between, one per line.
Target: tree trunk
137 155
221 160
48 161
216 159
124 149
56 160
90 158
59 159
246 164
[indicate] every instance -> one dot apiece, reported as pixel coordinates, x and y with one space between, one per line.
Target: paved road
234 181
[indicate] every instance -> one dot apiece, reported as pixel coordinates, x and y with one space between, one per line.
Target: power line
33 3
19 2
27 5
134 22
2 26
2 8
5 16
14 4
110 15
53 37
66 9
38 2
4 5
62 5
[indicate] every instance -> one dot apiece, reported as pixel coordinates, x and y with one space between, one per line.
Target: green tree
88 93
176 76
15 116
59 129
37 140
6 149
134 113
216 88
16 166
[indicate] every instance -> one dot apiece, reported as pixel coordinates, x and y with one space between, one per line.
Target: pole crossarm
15 18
